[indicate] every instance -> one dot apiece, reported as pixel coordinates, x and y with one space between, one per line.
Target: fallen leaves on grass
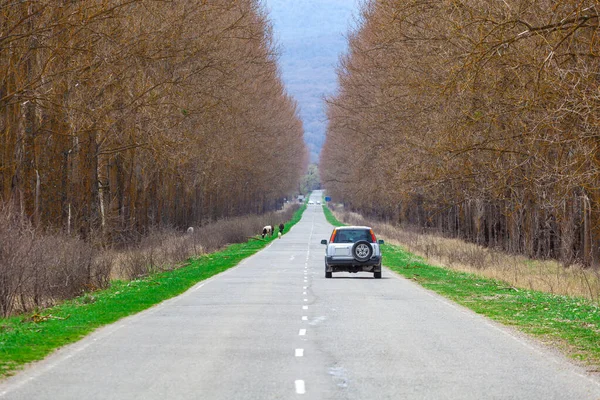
37 318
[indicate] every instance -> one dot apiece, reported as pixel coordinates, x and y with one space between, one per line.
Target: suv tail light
332 236
373 239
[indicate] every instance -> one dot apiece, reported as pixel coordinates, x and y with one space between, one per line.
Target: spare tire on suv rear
362 251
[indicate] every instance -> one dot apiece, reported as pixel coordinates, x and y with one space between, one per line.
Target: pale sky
311 35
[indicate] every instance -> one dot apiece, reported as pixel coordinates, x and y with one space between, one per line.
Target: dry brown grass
167 248
38 269
542 275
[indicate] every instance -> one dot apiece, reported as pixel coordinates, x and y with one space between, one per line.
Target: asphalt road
275 328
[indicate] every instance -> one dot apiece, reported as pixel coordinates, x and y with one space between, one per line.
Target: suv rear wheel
377 275
362 250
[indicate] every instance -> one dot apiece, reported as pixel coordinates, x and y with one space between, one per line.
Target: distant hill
311 36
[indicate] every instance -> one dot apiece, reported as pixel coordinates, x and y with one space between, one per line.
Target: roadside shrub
15 242
166 247
39 268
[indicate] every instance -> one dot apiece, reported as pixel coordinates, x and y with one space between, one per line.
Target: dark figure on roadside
281 226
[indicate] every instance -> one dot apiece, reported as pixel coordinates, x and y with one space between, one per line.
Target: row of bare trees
117 115
479 118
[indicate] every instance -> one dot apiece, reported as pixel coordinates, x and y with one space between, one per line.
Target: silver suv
352 249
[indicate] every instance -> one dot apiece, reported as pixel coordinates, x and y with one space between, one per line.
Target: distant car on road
352 249
318 202
311 202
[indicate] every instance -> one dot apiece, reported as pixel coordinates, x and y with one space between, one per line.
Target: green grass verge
568 323
32 337
330 217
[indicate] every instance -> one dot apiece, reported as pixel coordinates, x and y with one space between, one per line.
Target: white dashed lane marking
300 389
299 384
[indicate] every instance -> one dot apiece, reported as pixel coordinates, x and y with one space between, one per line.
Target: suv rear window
352 236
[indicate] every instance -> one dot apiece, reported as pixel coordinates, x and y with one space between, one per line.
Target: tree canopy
119 114
475 117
